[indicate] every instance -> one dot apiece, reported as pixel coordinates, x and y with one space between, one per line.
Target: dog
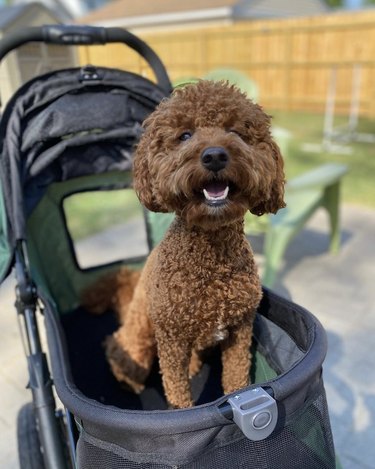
207 155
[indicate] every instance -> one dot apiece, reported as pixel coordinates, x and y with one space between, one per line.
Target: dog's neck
219 235
222 246
212 249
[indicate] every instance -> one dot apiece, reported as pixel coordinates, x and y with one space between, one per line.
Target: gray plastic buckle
255 412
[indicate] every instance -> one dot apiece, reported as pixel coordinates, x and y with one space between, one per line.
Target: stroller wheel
29 449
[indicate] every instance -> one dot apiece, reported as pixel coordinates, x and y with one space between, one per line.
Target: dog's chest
204 290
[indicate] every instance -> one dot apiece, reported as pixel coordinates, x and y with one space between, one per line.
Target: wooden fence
294 61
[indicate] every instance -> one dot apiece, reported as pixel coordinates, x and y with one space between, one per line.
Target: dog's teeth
222 196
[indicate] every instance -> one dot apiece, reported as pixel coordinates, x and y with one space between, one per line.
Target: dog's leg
236 358
132 348
195 363
174 360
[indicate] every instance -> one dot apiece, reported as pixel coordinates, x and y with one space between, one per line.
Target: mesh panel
91 457
305 442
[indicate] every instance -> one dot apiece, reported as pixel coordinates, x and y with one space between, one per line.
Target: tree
343 3
334 3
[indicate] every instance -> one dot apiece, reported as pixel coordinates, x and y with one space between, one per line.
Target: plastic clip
255 412
89 73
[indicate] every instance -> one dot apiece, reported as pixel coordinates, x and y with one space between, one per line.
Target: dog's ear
276 198
141 176
142 182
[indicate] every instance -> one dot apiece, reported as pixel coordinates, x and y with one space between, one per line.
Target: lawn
359 183
88 213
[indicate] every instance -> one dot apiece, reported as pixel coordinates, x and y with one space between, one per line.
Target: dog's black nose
215 158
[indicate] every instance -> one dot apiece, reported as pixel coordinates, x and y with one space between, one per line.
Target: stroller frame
50 422
41 385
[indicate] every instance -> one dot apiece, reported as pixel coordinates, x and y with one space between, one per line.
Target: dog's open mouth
216 192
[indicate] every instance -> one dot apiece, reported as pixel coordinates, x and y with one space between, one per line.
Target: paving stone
339 291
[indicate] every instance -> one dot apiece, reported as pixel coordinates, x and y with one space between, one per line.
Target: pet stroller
72 132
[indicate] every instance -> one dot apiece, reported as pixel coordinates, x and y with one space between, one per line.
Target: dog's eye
185 136
235 132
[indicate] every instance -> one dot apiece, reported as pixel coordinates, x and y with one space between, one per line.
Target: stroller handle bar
76 35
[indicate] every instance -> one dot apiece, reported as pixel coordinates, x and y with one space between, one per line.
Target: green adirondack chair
319 187
235 77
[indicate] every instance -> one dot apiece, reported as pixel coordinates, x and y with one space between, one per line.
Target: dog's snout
215 158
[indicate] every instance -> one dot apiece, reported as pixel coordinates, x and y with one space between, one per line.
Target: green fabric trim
158 223
261 371
52 260
5 250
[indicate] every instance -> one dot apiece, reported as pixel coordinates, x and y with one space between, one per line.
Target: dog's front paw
125 369
180 404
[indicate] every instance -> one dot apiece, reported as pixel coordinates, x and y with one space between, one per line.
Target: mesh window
105 226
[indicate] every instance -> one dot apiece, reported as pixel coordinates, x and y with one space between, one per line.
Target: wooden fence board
292 60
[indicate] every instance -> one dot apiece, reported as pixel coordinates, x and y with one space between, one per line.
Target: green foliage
341 3
334 3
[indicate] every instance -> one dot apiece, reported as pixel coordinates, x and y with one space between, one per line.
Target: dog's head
208 155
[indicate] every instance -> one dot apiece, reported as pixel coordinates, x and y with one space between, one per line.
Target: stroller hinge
26 302
39 377
25 289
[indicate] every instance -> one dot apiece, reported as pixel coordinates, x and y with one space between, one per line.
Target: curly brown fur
200 285
113 291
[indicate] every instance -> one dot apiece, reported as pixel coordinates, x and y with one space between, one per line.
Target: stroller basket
290 348
71 132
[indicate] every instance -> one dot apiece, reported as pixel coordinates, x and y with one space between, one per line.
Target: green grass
88 213
359 184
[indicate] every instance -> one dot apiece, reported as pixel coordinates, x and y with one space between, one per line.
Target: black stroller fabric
121 430
64 125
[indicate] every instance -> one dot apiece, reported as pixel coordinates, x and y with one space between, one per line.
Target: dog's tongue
216 190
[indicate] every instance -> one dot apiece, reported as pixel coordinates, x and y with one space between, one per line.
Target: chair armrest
324 175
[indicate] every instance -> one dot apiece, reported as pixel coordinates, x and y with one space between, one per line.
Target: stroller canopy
63 125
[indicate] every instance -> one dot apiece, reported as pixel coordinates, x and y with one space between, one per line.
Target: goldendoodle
208 156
